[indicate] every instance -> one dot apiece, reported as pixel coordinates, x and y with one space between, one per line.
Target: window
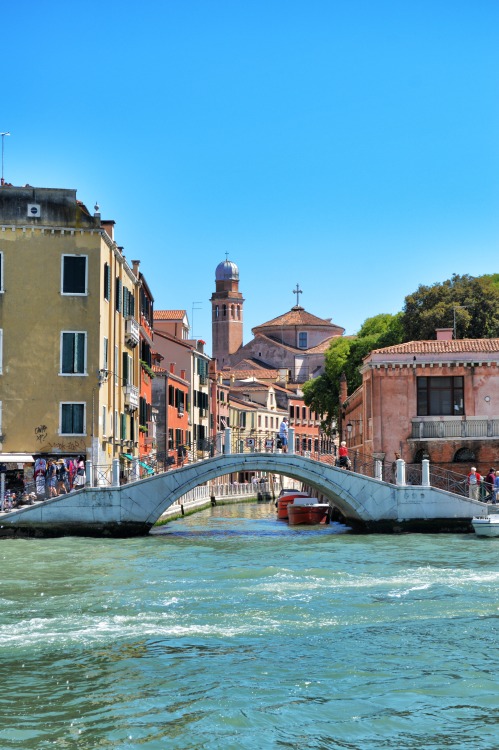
1 272
104 425
302 340
440 396
72 419
73 352
123 426
118 288
116 359
74 274
105 358
107 281
127 369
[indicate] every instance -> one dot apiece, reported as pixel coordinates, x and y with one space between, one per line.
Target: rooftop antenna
3 139
192 316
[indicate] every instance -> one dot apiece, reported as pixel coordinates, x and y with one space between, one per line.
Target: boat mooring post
400 472
425 478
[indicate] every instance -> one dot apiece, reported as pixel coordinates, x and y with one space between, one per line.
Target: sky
350 147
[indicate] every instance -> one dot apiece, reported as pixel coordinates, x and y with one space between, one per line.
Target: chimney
172 368
444 334
135 267
108 225
182 374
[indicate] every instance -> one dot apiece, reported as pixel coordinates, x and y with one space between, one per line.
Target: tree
468 303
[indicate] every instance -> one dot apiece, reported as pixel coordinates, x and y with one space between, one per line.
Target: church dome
227 271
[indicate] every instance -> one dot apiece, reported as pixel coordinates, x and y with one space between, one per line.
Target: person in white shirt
283 434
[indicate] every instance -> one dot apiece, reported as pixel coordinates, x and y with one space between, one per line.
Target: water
231 630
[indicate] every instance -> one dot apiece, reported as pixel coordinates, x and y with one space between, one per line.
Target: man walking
283 434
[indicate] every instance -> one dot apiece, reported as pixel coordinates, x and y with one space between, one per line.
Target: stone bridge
367 504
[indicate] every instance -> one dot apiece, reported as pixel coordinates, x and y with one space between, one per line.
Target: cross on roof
226 257
297 291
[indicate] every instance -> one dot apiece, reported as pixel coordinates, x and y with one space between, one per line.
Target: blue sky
351 147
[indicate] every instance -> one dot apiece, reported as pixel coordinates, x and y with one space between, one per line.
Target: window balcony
131 397
449 428
132 331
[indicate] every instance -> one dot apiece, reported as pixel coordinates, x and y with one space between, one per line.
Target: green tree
471 303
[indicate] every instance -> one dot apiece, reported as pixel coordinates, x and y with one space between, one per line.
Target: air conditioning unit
34 210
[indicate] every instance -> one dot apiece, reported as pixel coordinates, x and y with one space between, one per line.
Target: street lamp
3 139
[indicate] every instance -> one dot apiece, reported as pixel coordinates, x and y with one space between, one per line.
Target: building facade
69 359
429 399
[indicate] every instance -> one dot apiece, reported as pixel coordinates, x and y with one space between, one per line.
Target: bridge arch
327 480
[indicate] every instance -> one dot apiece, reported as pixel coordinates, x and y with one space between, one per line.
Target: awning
16 458
127 456
147 467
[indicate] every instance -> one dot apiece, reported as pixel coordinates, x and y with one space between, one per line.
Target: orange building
171 398
147 424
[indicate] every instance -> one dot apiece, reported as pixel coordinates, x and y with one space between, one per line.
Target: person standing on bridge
474 479
283 434
343 461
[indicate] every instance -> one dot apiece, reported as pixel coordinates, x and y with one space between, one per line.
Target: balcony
131 397
132 332
151 430
452 428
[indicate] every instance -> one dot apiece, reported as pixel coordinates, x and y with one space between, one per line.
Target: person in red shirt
344 461
474 479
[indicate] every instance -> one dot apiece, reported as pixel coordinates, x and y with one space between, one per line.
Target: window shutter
118 295
125 368
79 360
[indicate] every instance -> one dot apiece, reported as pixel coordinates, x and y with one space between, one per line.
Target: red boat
306 510
284 500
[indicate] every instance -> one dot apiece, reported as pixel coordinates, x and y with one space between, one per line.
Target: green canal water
231 630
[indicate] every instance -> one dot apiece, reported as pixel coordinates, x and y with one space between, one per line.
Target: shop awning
147 467
16 458
127 456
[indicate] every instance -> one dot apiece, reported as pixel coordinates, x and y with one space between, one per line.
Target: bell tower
227 313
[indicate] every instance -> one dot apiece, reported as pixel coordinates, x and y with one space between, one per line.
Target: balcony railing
131 397
448 428
132 331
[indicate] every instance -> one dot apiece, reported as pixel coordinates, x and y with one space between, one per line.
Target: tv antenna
3 139
192 315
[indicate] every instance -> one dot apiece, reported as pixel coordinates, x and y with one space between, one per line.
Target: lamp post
3 139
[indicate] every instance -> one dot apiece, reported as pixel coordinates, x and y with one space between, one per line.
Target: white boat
486 525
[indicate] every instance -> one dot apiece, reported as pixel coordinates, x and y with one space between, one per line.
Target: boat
284 500
486 525
306 510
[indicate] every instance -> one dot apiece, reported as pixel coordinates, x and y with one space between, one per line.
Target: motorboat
306 510
284 500
486 525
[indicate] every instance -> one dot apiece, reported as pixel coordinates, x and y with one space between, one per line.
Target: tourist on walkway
496 488
283 434
51 479
474 479
343 461
489 485
80 477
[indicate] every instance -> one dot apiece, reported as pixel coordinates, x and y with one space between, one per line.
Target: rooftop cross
297 291
226 257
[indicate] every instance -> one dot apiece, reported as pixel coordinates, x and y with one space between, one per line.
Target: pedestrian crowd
486 489
52 477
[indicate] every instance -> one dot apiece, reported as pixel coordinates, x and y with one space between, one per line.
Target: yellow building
69 361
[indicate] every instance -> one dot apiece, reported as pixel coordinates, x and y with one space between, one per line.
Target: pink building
428 399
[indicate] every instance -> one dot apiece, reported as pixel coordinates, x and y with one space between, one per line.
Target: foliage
473 303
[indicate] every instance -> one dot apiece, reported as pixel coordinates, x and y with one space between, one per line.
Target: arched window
232 311
224 311
238 308
464 456
420 454
216 311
